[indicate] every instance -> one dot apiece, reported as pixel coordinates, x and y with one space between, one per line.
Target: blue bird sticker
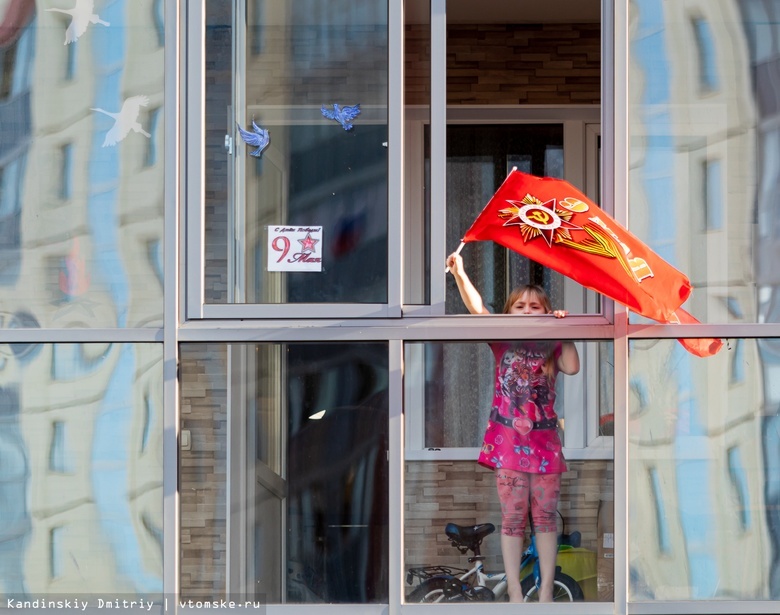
259 138
343 115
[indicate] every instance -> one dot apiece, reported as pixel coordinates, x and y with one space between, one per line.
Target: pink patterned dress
521 434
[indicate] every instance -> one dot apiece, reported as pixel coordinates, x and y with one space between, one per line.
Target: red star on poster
539 219
308 243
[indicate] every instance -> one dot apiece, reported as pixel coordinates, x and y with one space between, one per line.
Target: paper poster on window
294 248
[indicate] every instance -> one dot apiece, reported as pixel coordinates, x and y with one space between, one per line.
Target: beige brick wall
464 492
202 471
509 64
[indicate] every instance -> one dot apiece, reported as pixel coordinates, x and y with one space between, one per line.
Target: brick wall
219 96
509 64
202 471
464 492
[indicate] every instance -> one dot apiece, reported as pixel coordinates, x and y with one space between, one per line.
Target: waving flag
554 224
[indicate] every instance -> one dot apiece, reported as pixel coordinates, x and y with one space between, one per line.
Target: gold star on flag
539 219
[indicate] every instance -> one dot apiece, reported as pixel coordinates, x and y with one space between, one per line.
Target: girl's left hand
559 313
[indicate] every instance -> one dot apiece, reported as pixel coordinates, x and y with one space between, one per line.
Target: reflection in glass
704 164
703 524
307 484
81 472
706 56
79 197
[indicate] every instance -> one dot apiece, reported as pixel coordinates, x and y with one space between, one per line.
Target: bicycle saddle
468 536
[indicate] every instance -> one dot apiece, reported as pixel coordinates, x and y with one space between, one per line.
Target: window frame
195 305
581 129
416 325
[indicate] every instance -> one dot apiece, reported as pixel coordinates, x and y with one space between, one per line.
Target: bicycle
449 584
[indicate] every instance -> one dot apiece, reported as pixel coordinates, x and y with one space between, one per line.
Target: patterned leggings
519 491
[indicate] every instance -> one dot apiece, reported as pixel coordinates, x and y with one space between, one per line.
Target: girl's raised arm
470 296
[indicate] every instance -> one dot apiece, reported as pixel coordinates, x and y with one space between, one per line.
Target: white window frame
195 306
581 129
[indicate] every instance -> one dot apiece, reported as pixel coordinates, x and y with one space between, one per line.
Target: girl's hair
532 289
541 296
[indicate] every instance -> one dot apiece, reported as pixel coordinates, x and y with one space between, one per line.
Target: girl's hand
455 264
559 313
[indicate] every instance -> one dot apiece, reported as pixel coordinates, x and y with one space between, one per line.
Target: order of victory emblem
551 220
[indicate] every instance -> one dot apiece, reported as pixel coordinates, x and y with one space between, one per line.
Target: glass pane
81 184
454 391
314 99
305 476
460 382
81 478
464 493
417 98
478 160
703 454
704 170
477 395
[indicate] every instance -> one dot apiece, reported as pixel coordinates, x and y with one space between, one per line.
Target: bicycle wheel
431 590
565 589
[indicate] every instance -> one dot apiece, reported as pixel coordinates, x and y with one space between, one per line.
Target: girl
521 442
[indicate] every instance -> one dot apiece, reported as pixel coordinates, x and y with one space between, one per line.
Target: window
478 159
662 528
306 64
76 483
59 459
740 485
705 442
152 145
159 20
66 171
737 371
713 195
56 555
7 70
306 471
707 58
71 56
449 391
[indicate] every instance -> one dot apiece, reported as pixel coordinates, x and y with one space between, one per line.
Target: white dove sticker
81 16
126 120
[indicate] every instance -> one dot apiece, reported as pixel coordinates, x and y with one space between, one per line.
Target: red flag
554 224
701 347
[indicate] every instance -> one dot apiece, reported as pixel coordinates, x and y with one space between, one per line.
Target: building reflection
701 453
80 246
337 476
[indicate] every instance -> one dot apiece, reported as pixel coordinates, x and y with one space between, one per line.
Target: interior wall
509 64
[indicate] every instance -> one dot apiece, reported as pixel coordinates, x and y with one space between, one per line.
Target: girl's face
527 304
